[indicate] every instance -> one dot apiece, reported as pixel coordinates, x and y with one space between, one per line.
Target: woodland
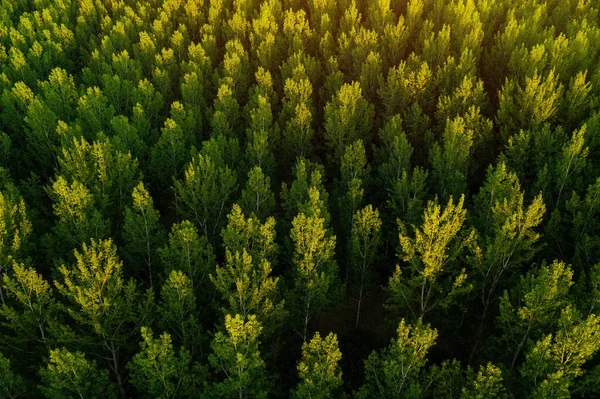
299 199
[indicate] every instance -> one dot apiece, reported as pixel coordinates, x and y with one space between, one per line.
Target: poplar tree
236 359
13 385
262 133
394 373
554 362
190 253
159 371
169 155
15 229
257 197
510 236
364 244
296 196
245 282
432 277
319 370
178 312
316 281
348 117
102 303
297 114
405 186
541 296
71 375
488 383
450 160
30 311
354 173
205 193
142 234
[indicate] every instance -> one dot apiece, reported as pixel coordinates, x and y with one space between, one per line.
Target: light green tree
245 282
78 218
250 234
316 280
70 375
101 302
319 369
394 373
348 117
190 253
205 193
487 384
109 175
236 359
178 312
554 362
354 173
571 162
432 277
297 114
509 234
257 196
296 196
249 289
405 187
30 310
15 229
364 245
159 371
450 160
539 298
169 155
528 105
143 235
13 386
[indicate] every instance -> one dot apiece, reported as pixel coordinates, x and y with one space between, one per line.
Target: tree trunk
115 367
360 297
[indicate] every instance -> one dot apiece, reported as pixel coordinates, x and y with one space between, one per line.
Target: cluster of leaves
215 198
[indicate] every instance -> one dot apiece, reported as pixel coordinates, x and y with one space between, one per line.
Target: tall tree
297 114
450 160
354 173
205 193
433 277
509 236
158 371
190 253
142 234
12 384
30 311
169 155
71 375
364 244
316 280
101 302
78 218
541 296
178 312
319 369
236 359
296 197
556 360
394 373
245 282
257 196
488 383
348 117
15 229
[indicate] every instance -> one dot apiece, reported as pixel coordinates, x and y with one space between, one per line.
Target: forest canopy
299 198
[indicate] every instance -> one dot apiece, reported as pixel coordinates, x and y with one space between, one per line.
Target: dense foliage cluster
299 198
